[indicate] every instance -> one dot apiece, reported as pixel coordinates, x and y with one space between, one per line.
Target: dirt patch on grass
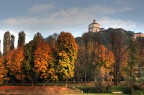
39 90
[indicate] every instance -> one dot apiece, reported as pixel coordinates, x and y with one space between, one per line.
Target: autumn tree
44 62
6 43
67 53
29 49
17 65
21 39
8 61
103 63
14 62
2 70
12 42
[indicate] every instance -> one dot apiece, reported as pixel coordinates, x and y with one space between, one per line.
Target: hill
104 37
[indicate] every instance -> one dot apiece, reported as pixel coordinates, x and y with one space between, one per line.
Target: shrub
124 89
100 89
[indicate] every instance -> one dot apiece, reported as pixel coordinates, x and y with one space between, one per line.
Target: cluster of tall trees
111 54
37 60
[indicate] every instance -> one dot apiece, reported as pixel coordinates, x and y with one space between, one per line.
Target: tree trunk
22 83
66 83
32 83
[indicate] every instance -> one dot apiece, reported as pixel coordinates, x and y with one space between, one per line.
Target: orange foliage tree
2 70
18 64
14 64
8 61
44 62
29 49
104 62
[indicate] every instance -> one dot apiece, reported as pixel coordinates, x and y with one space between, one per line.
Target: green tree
6 43
80 65
67 54
12 42
133 62
21 39
92 42
51 41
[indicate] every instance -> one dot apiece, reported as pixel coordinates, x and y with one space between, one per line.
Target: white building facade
94 27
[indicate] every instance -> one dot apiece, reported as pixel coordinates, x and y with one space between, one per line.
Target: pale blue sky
54 16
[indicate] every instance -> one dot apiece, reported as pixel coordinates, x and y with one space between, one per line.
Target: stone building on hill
94 27
137 35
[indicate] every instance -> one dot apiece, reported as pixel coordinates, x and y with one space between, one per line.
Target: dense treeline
37 61
110 55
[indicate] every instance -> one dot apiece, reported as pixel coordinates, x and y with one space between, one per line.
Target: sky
74 16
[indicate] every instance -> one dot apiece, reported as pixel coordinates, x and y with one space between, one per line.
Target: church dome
94 27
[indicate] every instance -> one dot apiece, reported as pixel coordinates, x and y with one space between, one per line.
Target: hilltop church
94 27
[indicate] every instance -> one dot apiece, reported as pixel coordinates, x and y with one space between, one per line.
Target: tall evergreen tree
21 39
38 37
12 42
6 43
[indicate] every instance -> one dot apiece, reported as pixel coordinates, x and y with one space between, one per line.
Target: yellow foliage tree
67 54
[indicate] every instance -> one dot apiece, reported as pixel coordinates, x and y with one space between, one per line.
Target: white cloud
63 17
99 10
117 23
125 9
41 8
48 19
21 20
